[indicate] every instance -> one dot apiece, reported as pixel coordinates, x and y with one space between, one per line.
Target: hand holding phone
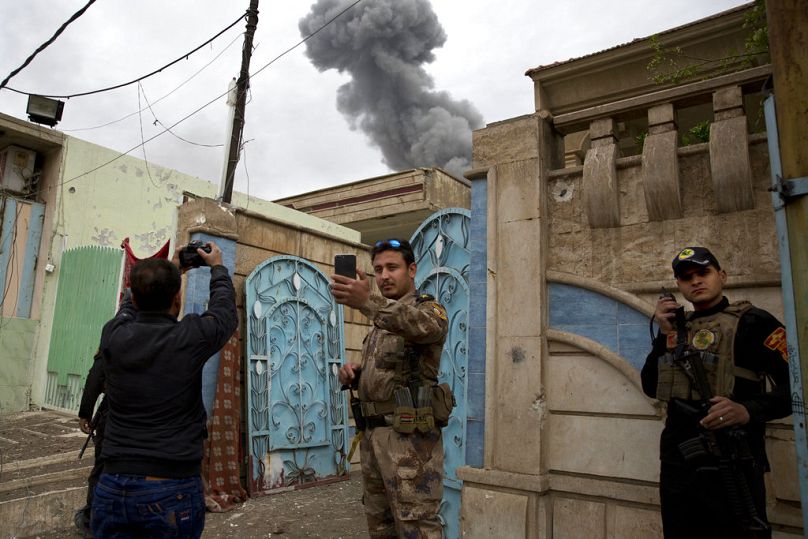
345 265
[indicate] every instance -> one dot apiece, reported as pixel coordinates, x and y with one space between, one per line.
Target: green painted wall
16 344
123 197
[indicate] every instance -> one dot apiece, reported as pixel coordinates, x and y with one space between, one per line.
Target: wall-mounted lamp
44 110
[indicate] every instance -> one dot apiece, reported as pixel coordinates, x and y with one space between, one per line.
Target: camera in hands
190 258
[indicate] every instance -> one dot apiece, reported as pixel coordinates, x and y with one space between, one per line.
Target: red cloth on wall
220 463
130 260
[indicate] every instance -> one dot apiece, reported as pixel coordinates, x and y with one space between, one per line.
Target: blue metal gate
441 246
297 419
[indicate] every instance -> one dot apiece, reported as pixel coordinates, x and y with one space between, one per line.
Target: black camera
189 258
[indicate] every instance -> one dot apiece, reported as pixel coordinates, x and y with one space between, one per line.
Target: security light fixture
44 110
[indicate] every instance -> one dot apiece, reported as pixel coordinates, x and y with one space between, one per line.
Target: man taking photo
151 485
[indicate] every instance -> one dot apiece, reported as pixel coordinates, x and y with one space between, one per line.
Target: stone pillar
513 158
729 152
600 189
660 165
205 220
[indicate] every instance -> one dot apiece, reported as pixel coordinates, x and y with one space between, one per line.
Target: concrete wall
16 343
576 261
92 198
259 237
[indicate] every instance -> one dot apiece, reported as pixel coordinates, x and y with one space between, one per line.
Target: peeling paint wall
101 198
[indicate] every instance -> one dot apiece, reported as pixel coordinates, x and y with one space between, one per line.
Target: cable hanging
206 105
183 57
42 47
186 81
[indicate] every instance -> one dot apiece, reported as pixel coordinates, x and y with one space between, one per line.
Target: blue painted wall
620 328
197 293
475 423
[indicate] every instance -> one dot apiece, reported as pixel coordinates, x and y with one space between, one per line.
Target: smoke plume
383 45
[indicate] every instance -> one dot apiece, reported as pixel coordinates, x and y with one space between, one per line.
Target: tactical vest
713 338
391 363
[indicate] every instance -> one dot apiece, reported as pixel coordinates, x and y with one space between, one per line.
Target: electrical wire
246 172
42 47
183 57
143 146
186 81
201 108
308 37
158 122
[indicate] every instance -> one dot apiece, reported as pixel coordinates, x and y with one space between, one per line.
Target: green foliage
697 134
671 65
640 140
757 41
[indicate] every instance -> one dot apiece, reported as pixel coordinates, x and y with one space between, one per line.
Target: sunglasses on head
395 244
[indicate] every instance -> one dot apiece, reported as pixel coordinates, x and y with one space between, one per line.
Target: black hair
154 283
402 246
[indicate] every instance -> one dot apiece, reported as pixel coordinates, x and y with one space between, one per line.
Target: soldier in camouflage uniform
402 452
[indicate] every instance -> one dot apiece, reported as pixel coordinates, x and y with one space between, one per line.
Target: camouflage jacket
413 326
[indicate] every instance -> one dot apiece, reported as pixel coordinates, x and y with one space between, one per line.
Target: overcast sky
297 140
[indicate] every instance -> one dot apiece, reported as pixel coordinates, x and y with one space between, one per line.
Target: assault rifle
93 424
725 449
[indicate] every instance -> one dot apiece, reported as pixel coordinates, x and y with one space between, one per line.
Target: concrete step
42 482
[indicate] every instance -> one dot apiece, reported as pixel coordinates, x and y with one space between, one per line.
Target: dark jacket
756 350
153 369
93 388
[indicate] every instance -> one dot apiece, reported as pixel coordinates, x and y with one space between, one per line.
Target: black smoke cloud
383 45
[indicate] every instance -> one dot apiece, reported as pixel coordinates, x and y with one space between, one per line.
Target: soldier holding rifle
723 371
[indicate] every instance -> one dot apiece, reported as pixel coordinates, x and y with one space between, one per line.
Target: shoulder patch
424 297
438 309
777 341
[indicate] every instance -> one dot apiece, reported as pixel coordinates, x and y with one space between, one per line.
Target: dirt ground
45 445
331 511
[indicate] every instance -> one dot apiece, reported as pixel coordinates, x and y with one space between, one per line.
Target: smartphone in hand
345 265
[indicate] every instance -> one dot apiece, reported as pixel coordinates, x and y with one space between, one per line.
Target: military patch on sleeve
777 341
439 310
670 341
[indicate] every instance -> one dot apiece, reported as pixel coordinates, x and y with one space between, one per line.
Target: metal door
441 246
89 279
297 419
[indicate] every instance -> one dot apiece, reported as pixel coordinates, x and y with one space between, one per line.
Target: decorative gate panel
297 419
441 246
89 279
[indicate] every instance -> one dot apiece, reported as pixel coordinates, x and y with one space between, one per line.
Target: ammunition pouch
404 420
443 402
407 420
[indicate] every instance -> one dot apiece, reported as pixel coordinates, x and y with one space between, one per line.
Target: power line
183 57
308 37
158 122
186 81
200 109
42 47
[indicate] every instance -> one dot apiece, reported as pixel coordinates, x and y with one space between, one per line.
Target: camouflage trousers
402 479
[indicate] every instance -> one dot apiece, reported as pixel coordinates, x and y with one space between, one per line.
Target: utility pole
241 100
788 46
